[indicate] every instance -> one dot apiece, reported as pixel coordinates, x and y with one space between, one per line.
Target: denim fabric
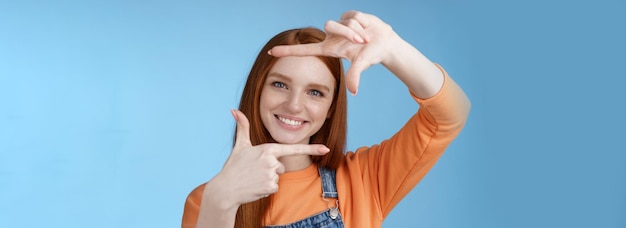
323 219
329 189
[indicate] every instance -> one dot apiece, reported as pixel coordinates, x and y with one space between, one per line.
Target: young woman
288 167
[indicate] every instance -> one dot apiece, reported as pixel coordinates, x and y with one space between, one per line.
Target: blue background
112 111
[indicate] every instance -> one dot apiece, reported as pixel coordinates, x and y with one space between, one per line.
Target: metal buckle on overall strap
334 211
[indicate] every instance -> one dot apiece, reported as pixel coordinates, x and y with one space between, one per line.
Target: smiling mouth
290 122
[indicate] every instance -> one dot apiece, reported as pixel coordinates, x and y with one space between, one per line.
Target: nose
295 104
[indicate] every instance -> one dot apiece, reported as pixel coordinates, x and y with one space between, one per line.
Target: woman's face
295 99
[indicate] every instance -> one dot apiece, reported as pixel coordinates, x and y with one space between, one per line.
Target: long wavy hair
332 133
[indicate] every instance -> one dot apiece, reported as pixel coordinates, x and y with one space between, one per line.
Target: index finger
281 150
313 49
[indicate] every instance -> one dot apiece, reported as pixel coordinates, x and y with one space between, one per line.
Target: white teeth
290 122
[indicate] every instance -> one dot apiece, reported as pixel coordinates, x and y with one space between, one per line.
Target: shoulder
195 196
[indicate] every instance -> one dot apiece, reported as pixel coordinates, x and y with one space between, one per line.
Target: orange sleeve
392 168
192 207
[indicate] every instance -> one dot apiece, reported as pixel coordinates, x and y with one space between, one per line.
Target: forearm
417 72
400 162
215 209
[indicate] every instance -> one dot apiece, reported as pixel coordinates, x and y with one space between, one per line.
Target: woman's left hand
361 38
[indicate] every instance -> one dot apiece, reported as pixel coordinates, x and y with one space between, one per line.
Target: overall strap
329 187
329 190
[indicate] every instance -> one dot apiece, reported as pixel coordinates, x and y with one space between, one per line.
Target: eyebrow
287 79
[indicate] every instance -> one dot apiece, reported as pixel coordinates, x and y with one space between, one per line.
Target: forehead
307 70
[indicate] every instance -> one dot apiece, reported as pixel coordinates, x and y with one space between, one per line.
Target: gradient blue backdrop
112 111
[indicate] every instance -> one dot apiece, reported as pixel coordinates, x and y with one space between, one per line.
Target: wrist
219 197
397 48
416 71
217 209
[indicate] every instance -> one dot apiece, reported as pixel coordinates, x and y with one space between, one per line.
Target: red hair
332 133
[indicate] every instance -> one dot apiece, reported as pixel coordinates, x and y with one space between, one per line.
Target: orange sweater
372 180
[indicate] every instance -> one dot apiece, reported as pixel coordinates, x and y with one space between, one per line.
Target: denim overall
330 218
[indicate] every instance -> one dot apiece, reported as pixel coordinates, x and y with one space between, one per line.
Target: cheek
265 105
265 100
268 102
321 110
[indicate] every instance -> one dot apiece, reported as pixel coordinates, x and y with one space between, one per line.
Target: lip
287 126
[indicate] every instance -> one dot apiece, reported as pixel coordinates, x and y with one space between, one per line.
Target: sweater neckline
306 173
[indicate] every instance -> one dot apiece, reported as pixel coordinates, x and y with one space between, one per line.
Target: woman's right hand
251 172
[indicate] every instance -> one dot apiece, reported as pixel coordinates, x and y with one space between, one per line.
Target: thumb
242 137
353 76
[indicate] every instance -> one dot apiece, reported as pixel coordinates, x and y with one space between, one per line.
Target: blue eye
279 85
316 93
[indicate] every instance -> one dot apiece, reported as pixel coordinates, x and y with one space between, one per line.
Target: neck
295 162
